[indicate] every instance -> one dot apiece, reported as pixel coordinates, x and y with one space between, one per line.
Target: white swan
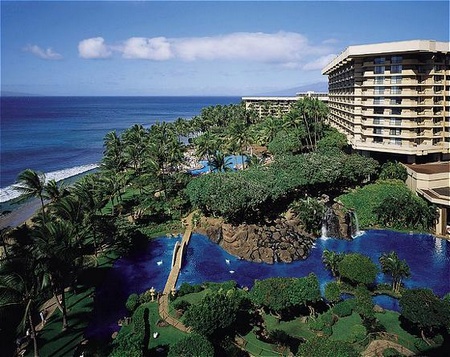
227 261
231 271
159 263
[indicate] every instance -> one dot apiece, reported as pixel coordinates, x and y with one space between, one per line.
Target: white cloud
289 49
93 48
318 63
260 47
157 48
47 54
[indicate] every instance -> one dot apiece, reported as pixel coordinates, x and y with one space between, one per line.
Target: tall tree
19 287
397 268
31 184
331 261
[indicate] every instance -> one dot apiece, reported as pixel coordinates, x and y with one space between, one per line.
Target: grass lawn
294 328
168 335
390 320
259 348
342 328
54 342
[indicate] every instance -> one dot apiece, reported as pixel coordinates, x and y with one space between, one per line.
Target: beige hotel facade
392 101
393 98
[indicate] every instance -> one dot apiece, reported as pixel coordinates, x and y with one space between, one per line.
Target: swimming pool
427 256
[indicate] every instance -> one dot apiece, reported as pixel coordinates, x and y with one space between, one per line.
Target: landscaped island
296 179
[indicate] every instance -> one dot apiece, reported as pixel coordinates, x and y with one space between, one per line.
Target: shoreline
19 215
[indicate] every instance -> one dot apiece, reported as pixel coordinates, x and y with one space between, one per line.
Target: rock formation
279 241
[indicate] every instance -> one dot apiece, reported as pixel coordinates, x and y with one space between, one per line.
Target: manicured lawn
294 328
342 328
390 320
54 342
168 335
259 348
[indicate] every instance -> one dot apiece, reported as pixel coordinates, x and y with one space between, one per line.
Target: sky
92 48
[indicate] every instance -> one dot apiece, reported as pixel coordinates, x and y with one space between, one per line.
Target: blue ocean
63 136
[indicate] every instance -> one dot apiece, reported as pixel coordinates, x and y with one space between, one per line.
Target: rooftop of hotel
431 168
388 47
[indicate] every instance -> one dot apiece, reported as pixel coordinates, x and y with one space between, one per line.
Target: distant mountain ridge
17 94
315 87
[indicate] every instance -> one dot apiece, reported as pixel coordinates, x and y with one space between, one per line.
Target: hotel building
278 106
392 99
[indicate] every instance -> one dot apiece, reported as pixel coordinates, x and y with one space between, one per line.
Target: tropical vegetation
143 188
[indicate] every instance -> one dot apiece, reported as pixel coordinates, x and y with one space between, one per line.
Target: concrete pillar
441 223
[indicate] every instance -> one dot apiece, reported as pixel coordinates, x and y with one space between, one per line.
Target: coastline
20 215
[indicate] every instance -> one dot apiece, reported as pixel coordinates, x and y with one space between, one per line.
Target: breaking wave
9 193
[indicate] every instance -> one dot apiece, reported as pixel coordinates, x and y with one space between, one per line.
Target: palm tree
32 184
398 269
55 255
54 191
19 287
219 162
4 236
331 261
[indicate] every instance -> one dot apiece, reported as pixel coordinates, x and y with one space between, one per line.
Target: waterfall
357 231
324 229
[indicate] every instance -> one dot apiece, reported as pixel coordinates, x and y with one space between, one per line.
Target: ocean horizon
62 136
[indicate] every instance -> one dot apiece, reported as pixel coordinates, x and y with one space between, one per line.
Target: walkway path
172 280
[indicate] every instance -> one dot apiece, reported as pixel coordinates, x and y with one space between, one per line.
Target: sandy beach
19 215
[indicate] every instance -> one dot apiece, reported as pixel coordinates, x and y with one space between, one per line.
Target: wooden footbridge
177 261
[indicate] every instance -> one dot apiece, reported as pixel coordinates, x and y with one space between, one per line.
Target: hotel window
378 100
396 79
396 68
396 59
378 121
378 140
379 90
438 89
395 141
396 111
378 110
379 69
438 78
379 60
395 132
395 121
396 101
378 130
379 80
396 90
437 68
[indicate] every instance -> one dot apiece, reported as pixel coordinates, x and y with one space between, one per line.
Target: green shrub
357 333
186 288
224 286
391 352
327 330
324 347
132 302
191 346
280 337
145 297
393 171
181 305
139 321
322 322
421 345
344 308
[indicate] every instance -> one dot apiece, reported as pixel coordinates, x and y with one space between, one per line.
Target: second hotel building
392 99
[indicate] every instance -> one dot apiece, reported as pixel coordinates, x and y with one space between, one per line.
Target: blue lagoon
427 256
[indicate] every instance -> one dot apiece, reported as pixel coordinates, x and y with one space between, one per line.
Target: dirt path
376 348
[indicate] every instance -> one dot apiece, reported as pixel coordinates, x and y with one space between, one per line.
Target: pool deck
172 279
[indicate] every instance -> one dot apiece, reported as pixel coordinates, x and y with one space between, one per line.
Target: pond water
427 256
